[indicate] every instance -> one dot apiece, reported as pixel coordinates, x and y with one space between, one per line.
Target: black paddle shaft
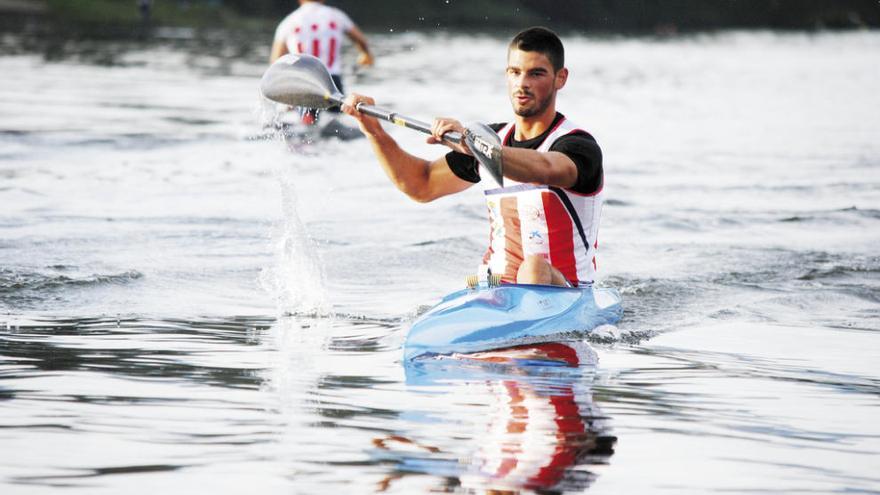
398 119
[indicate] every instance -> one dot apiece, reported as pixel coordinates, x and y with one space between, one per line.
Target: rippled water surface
190 304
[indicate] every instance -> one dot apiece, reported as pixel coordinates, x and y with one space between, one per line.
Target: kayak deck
484 318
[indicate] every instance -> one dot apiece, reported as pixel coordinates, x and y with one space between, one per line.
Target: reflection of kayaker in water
319 30
544 225
539 434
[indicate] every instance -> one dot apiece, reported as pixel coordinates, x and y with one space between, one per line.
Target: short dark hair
542 40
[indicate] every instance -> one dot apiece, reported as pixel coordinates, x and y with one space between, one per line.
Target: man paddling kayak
544 223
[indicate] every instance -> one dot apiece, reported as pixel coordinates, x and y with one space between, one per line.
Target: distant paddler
544 222
317 29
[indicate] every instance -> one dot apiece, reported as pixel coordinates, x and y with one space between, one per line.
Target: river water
189 304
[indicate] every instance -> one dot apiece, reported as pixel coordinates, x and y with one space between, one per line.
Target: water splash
297 278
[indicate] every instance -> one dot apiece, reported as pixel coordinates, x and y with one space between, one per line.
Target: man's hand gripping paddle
303 80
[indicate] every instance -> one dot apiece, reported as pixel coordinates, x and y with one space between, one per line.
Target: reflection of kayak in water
539 428
484 318
536 437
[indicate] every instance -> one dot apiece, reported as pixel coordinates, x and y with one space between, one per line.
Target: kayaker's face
531 82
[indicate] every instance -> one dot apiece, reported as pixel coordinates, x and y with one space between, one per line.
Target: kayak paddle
303 80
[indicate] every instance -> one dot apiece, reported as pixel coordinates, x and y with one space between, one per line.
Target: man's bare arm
360 41
520 164
420 179
550 168
279 49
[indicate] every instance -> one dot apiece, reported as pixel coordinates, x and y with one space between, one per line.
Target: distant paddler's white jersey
318 30
530 219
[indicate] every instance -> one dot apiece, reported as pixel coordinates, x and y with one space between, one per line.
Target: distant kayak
290 126
485 318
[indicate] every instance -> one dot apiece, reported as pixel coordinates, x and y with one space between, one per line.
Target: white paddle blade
300 80
485 144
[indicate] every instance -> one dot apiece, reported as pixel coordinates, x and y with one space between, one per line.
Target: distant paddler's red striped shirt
528 219
316 29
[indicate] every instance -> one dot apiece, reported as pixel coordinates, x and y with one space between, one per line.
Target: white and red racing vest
316 29
529 219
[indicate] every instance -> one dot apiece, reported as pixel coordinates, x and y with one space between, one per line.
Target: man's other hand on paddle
370 126
443 125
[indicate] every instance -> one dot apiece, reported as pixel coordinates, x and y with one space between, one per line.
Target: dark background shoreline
115 19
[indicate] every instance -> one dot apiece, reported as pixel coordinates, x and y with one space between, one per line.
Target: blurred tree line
593 15
117 17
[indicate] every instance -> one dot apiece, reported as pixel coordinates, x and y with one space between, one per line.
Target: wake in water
31 288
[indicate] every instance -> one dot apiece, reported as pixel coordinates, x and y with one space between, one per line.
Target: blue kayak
483 318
